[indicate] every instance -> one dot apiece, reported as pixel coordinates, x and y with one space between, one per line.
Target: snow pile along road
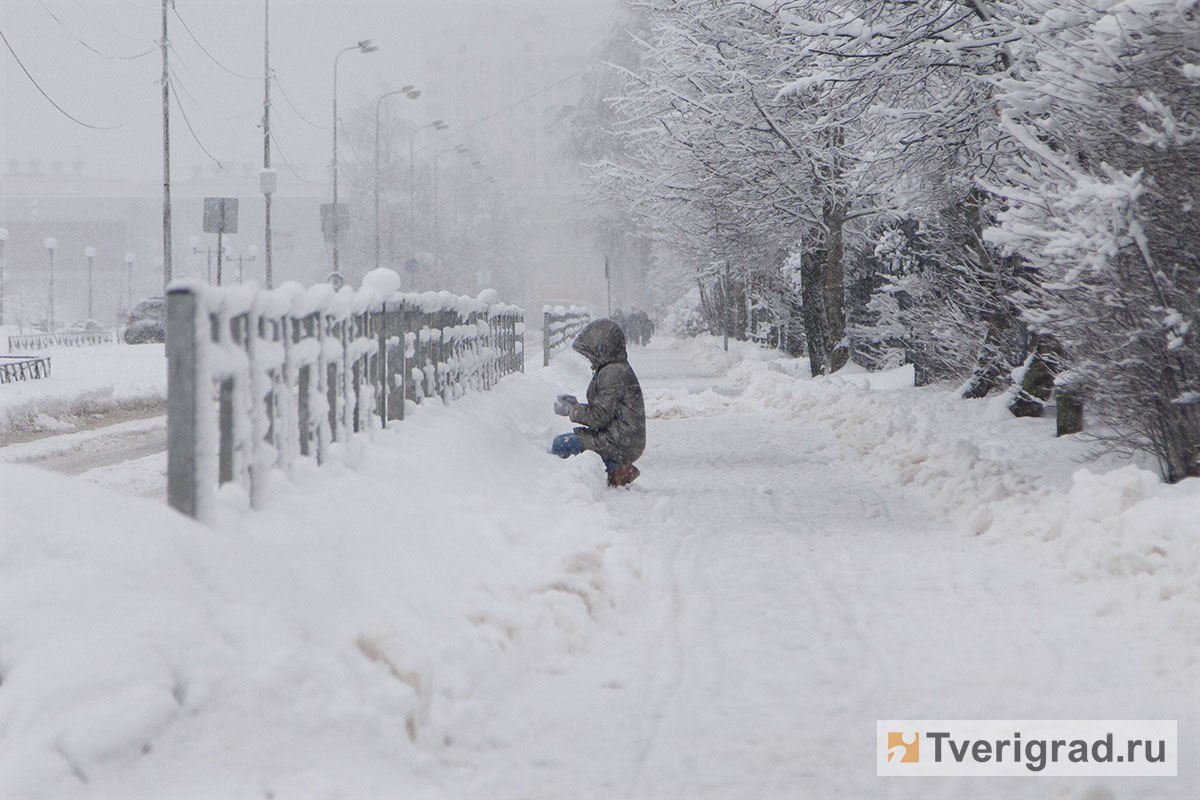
87 387
329 645
1000 476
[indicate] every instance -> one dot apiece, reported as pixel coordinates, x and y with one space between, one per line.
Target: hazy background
497 71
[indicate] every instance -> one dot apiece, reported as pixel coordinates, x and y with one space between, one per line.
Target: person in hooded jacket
613 420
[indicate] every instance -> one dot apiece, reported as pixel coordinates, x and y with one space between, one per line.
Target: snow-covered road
791 600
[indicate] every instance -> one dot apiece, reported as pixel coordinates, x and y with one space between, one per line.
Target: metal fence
258 379
41 341
23 368
559 328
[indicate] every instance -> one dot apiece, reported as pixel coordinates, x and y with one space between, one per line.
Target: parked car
146 322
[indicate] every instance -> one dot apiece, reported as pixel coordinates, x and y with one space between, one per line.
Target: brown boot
623 475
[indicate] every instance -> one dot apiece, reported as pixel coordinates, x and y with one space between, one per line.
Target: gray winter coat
614 417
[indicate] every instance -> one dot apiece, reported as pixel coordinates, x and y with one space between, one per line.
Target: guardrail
23 368
258 379
560 326
41 341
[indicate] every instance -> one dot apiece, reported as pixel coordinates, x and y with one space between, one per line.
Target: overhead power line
204 49
74 36
100 20
286 163
188 123
50 99
199 82
275 77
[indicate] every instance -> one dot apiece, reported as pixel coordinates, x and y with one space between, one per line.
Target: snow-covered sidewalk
459 615
792 597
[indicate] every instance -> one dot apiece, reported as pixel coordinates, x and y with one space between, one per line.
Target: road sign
412 266
220 215
343 221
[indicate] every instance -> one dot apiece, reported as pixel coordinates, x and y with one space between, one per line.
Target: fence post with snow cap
560 326
260 378
182 400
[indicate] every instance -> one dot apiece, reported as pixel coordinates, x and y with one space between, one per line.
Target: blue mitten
564 403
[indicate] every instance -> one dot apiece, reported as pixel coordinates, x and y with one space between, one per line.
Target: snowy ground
87 387
461 616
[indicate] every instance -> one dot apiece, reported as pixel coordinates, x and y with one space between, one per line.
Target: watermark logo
1027 747
904 747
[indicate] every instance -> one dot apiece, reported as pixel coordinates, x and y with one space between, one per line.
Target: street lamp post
3 239
461 149
90 253
197 250
412 93
438 125
267 179
364 46
129 259
251 255
51 246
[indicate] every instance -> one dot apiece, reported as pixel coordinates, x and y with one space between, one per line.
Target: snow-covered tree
1102 205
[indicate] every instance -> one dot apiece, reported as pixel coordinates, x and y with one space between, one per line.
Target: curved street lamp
437 125
129 259
412 93
3 239
89 253
51 246
364 47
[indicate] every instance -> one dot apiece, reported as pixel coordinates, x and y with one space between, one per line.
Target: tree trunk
1069 407
793 328
835 285
991 363
816 331
1041 368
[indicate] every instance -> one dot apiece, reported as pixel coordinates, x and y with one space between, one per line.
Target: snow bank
85 385
993 474
326 646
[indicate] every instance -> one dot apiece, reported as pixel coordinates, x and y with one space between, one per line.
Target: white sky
225 110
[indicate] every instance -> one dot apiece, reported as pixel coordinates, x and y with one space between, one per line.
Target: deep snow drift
456 614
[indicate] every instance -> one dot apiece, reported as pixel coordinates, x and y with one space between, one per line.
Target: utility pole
89 253
129 259
51 246
166 126
220 253
3 239
268 182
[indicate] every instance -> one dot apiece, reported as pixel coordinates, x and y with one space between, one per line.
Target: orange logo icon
904 747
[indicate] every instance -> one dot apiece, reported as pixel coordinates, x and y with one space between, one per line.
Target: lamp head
3 234
252 252
89 252
129 258
365 46
52 244
412 94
